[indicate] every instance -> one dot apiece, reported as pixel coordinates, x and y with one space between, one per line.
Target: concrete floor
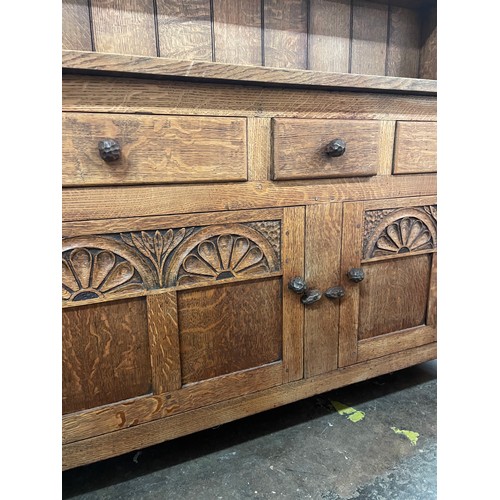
300 451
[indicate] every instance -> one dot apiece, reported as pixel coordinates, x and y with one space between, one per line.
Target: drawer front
153 149
301 148
415 150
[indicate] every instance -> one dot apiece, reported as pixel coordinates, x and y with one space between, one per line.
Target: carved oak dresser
249 208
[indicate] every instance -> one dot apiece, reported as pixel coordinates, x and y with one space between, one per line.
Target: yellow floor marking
412 436
342 409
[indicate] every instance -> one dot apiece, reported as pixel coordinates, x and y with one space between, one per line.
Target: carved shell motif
90 275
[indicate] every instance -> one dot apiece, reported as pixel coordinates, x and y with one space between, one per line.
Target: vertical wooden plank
369 38
184 29
352 244
386 146
76 25
432 304
293 310
428 54
164 342
322 255
237 31
329 35
259 148
285 34
403 46
124 27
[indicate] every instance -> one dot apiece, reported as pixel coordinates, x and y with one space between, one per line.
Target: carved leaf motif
67 277
127 239
240 248
148 242
81 259
415 231
194 265
208 252
252 257
118 276
225 246
158 245
139 244
394 235
167 239
385 243
103 263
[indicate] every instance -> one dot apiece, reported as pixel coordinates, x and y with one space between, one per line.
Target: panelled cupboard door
169 313
388 271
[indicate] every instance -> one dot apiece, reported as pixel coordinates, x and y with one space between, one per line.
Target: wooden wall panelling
403 45
322 257
238 31
329 35
184 29
285 33
76 31
428 53
124 26
369 37
293 310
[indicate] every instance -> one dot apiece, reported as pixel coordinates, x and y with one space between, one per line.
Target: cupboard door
165 314
389 274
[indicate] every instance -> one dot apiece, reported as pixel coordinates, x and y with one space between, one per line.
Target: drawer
301 148
153 149
415 150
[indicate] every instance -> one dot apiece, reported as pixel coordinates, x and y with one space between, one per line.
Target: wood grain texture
154 149
293 310
112 444
395 342
184 29
76 33
161 67
322 257
164 342
237 31
386 145
124 27
393 296
259 148
229 328
108 203
285 33
352 242
105 354
111 418
403 45
369 37
329 35
428 52
415 149
403 202
432 304
310 138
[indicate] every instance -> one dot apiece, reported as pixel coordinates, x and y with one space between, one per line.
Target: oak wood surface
415 149
122 64
124 26
111 418
322 256
428 53
154 149
386 145
108 445
432 305
139 201
407 201
259 148
76 33
299 148
225 329
237 31
105 354
329 35
184 29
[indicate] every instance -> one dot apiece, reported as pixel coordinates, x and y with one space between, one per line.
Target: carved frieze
397 231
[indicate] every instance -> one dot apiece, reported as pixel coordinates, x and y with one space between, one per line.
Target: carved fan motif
402 236
221 257
90 275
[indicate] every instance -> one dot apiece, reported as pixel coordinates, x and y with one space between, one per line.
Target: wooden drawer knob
297 285
356 274
335 148
310 296
109 149
335 292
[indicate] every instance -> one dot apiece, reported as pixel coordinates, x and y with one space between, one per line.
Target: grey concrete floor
299 451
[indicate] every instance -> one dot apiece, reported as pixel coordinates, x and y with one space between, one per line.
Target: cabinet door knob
335 292
310 296
356 274
109 149
335 148
297 285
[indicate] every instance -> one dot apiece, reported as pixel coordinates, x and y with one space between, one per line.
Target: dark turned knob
297 285
310 296
356 274
335 148
335 292
109 149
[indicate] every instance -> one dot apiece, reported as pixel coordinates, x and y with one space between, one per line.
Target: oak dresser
249 208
